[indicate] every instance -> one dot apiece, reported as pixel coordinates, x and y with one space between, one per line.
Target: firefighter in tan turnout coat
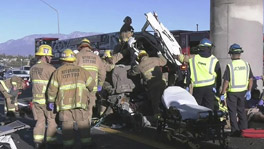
40 75
69 90
93 64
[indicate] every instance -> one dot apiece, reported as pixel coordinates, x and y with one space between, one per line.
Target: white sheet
181 99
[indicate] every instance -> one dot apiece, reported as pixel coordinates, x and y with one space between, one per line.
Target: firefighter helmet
107 53
68 55
205 43
84 43
235 49
44 50
141 54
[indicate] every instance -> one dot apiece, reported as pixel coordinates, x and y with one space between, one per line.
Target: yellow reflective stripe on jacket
14 83
93 68
89 80
38 137
69 106
72 86
11 109
51 99
202 70
40 81
54 83
39 101
4 86
239 75
38 95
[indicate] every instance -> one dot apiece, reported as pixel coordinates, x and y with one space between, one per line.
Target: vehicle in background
25 68
20 73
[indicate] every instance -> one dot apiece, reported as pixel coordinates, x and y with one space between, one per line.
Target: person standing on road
40 75
94 65
69 91
10 89
205 75
238 81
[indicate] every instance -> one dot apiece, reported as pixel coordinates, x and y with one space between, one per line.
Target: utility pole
56 13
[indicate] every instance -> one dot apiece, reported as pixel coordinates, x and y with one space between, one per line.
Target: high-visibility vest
203 70
239 76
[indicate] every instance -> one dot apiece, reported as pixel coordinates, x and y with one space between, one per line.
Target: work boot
39 145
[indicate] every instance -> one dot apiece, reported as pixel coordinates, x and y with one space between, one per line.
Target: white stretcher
175 96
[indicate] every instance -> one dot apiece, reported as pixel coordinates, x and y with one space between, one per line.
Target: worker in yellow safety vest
238 81
205 75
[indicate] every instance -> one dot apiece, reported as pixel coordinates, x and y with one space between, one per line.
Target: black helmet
127 18
235 49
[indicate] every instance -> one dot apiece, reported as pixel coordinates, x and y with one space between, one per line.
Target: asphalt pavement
105 137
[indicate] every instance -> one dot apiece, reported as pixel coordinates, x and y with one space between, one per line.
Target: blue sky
19 18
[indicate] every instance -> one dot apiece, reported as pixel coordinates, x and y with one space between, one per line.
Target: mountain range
26 46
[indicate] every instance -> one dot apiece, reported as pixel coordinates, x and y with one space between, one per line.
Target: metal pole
56 12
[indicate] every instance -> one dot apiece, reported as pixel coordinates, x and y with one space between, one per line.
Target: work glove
222 97
258 77
214 90
99 88
131 42
51 106
187 89
260 103
248 95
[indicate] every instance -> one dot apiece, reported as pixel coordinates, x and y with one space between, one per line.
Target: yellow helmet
68 55
141 54
44 50
107 53
84 43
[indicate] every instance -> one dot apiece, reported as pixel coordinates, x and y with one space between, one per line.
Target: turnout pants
205 96
75 127
236 109
155 90
41 114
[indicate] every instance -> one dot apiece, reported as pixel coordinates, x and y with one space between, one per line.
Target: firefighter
93 64
205 75
150 69
40 74
109 62
11 88
126 30
238 81
68 92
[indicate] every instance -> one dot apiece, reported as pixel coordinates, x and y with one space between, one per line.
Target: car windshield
19 72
